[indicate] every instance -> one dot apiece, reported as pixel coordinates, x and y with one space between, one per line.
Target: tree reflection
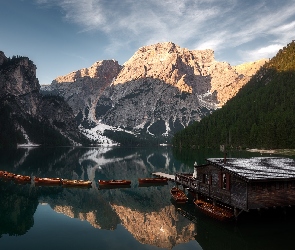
17 208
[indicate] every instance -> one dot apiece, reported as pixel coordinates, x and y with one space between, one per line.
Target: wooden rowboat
7 175
47 181
152 180
22 178
214 211
2 173
76 183
178 195
114 182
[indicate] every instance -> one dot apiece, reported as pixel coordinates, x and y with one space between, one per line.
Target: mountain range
160 90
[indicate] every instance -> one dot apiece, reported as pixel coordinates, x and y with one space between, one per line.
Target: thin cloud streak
265 52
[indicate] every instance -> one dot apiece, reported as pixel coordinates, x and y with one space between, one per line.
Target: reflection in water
142 211
164 228
17 208
272 230
146 212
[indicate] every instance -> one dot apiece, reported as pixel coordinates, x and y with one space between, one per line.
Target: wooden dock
170 177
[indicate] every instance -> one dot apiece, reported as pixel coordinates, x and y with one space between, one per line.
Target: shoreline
289 152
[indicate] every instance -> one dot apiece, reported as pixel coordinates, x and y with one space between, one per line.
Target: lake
125 218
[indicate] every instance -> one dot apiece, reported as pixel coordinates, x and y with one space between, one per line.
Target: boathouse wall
222 186
241 193
271 194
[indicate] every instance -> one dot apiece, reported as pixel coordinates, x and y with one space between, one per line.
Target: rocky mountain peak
191 71
104 70
165 48
168 62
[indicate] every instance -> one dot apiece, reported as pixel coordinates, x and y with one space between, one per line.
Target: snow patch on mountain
96 134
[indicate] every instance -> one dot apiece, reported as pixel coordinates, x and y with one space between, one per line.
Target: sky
61 36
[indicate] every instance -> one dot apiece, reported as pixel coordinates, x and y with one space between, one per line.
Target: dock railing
187 180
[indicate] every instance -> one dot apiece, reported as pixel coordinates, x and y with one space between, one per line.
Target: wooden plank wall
271 194
241 194
235 193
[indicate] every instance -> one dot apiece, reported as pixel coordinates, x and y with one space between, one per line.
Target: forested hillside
261 115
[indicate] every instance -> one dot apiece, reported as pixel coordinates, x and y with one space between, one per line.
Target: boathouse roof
258 168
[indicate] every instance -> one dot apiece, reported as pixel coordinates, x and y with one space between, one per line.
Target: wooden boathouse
243 184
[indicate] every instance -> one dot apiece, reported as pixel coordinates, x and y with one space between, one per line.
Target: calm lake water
127 218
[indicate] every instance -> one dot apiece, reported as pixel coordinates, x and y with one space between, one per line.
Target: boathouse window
224 180
205 178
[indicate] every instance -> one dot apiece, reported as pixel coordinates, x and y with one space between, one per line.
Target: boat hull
47 181
213 211
76 183
178 195
6 175
22 179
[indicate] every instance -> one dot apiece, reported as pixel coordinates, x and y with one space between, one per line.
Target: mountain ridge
162 88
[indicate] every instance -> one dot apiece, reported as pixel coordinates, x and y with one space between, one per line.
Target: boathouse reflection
255 231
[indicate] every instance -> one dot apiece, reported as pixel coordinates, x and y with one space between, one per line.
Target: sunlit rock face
104 71
163 229
169 63
161 89
192 71
82 88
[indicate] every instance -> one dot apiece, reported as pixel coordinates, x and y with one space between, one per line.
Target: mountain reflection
164 228
145 212
153 222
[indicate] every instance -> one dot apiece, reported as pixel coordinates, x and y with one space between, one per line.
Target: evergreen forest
261 115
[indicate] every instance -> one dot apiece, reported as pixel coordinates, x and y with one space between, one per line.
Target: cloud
263 52
196 24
